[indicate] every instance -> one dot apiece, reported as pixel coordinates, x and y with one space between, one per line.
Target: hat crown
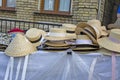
33 34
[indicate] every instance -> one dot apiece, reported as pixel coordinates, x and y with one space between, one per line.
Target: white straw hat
112 42
20 46
58 34
34 35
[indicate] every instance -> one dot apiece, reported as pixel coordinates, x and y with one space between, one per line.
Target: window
56 6
8 4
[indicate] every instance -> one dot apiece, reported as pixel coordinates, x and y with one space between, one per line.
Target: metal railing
7 24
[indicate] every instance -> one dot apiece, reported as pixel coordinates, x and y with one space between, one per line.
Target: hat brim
54 48
56 44
36 44
107 52
67 37
84 49
108 44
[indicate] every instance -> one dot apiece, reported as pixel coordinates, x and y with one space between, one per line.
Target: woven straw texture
19 46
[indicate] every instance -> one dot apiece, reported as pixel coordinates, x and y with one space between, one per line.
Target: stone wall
82 10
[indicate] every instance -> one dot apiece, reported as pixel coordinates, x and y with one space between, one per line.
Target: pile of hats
56 37
88 34
22 45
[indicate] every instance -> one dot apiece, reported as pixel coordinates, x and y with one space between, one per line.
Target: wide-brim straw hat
34 35
100 30
113 26
58 34
56 43
20 46
107 52
112 42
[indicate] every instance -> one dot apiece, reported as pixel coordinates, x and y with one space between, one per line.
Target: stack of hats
55 39
35 35
93 30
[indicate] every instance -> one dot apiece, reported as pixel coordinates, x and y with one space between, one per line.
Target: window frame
56 8
4 6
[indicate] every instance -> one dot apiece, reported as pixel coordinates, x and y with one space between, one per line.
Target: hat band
83 41
57 34
90 33
114 40
36 40
70 31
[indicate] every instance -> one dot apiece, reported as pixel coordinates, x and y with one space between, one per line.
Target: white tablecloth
44 65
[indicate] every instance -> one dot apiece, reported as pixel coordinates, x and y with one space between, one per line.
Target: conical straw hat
112 42
34 35
20 46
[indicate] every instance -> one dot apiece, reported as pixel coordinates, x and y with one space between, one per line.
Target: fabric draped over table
43 65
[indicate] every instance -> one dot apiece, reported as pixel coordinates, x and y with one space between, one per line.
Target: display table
43 65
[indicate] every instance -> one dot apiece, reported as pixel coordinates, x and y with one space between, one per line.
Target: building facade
55 11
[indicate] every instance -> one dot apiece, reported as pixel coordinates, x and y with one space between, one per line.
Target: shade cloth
43 65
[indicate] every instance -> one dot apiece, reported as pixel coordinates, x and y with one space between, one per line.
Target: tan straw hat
58 34
82 43
56 43
96 24
112 42
34 35
20 46
83 27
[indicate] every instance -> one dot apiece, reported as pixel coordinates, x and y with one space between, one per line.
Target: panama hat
56 43
112 42
34 35
20 46
58 34
96 24
83 27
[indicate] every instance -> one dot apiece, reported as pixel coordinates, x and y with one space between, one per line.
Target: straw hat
107 52
69 27
34 35
96 24
83 42
112 42
56 43
83 27
20 46
58 34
